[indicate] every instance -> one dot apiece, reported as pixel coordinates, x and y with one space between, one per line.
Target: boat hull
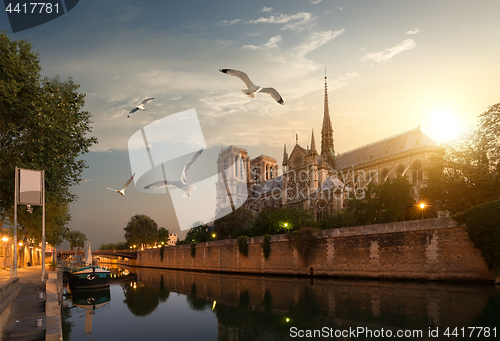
91 277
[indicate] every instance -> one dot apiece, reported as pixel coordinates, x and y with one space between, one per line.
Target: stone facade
320 182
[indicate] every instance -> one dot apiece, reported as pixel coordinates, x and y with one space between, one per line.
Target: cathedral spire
326 131
285 156
313 144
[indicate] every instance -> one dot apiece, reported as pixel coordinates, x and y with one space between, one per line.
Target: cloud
229 22
266 9
387 54
294 22
412 32
272 43
316 40
314 2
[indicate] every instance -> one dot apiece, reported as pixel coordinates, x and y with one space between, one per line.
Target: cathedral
320 180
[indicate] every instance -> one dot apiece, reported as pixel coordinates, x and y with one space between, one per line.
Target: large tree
42 127
465 174
76 239
141 230
234 224
389 201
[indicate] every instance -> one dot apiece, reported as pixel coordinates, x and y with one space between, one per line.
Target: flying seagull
252 88
182 184
140 106
121 191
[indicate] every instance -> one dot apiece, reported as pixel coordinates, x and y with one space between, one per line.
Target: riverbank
426 249
26 299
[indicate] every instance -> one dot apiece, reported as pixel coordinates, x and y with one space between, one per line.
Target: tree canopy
467 173
76 239
141 230
42 127
389 201
234 224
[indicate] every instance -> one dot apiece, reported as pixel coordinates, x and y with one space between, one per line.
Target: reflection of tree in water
163 294
142 300
195 303
308 307
490 316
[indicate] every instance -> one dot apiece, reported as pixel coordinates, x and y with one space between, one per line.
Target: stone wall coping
401 226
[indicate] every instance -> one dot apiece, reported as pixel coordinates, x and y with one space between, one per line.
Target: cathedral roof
404 142
267 186
331 183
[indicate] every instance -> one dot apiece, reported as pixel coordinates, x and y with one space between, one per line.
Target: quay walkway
29 307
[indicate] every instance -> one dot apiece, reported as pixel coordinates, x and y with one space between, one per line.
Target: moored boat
89 276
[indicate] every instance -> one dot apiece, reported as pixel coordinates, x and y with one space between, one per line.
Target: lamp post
422 206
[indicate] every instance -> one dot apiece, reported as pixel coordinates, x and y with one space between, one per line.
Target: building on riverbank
320 180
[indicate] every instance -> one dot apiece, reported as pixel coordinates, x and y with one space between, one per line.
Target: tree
234 224
463 175
490 128
196 234
389 201
42 127
76 239
141 230
273 220
163 236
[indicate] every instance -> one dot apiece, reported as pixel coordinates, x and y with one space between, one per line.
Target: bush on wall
483 227
193 249
243 245
304 241
266 246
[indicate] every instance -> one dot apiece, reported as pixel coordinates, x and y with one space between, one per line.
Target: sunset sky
392 65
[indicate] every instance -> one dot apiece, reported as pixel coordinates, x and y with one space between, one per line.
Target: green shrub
304 241
266 246
243 245
193 249
483 227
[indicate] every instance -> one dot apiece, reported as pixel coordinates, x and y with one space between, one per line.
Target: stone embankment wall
430 249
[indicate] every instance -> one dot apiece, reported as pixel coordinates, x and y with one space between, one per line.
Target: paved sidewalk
27 307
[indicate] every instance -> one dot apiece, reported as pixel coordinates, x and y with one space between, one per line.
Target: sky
392 65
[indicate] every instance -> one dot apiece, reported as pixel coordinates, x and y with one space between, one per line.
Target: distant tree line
141 232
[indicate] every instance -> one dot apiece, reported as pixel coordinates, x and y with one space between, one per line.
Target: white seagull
140 106
182 184
121 191
252 88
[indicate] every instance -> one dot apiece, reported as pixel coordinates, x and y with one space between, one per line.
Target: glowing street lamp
213 235
422 207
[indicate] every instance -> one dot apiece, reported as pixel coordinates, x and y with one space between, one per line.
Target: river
151 304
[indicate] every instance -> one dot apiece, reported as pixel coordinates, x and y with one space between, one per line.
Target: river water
150 304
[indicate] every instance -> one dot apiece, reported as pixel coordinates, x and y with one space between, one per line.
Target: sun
445 126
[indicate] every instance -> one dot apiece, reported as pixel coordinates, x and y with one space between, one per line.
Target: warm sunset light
445 125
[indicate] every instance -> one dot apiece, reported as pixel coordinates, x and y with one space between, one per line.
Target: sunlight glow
445 126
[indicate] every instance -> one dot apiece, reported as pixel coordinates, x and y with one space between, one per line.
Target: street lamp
422 207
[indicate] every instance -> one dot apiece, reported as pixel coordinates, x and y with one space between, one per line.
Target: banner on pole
30 187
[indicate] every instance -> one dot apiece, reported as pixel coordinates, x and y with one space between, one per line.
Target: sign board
30 187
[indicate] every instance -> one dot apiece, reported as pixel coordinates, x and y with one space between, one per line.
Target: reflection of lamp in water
213 306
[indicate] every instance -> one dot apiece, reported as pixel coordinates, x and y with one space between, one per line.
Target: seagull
140 106
121 191
182 184
252 88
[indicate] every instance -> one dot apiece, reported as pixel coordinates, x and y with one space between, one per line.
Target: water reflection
265 308
143 299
